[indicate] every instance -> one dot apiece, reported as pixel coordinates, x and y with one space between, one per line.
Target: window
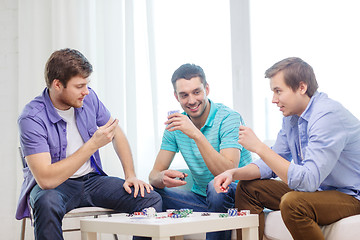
192 32
323 33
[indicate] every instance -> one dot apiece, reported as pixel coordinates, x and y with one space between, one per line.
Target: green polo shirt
221 129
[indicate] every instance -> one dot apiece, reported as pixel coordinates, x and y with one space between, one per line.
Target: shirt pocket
55 154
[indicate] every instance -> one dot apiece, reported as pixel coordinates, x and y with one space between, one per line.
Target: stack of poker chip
175 215
182 213
138 213
186 210
232 212
149 212
223 215
244 213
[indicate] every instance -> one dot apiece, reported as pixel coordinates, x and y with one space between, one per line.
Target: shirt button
64 130
63 149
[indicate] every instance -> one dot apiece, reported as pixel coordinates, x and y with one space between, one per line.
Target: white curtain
116 37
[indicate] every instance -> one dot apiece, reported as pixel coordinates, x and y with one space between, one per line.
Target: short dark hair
64 64
188 71
295 70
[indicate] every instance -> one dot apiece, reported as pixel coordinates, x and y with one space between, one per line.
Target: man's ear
302 87
176 96
56 84
207 89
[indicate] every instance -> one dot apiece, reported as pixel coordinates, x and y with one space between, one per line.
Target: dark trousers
50 206
302 212
174 198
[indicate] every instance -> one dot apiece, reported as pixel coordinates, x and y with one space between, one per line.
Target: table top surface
162 218
166 226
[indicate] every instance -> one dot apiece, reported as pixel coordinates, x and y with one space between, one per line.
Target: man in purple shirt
316 155
61 132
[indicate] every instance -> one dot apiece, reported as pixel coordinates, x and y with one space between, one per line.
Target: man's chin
78 105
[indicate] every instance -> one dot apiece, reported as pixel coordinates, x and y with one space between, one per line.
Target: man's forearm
49 175
214 160
155 179
278 164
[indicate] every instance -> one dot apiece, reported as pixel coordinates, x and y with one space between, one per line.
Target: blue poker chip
232 212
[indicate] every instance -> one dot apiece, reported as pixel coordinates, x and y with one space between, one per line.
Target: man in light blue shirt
206 134
316 155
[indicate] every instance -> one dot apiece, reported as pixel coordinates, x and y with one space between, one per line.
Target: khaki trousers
302 212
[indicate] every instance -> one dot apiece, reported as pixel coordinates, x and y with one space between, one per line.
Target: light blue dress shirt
323 145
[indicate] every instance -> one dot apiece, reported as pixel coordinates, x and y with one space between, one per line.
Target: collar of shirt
212 113
307 113
54 117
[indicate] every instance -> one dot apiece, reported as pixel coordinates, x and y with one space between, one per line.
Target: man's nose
275 99
192 99
85 92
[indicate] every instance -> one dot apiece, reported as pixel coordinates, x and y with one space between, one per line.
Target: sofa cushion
345 229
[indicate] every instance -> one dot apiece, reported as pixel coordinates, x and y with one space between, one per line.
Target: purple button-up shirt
43 130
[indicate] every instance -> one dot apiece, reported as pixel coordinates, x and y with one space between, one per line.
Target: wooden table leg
89 235
250 233
177 238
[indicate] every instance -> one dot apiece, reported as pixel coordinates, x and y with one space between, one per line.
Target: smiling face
290 102
71 96
192 96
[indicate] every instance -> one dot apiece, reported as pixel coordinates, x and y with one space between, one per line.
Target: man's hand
222 181
138 185
249 140
178 121
105 134
168 178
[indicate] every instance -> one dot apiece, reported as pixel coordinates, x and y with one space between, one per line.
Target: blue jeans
50 206
174 198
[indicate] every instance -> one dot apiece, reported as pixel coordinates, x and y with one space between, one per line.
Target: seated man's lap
220 202
108 192
175 198
99 191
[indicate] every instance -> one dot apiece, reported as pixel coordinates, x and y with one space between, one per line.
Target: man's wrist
197 135
262 149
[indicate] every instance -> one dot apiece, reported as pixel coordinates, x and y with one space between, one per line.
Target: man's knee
292 205
220 202
48 201
290 201
156 200
246 186
212 195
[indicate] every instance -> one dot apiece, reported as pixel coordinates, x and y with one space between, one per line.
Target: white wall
10 177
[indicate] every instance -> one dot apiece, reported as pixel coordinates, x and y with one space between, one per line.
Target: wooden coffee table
164 228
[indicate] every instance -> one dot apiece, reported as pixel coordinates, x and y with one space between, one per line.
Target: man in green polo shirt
206 134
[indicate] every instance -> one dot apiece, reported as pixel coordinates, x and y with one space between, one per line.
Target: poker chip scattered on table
150 212
244 213
232 212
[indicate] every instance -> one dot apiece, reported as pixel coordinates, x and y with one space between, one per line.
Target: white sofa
344 229
275 229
